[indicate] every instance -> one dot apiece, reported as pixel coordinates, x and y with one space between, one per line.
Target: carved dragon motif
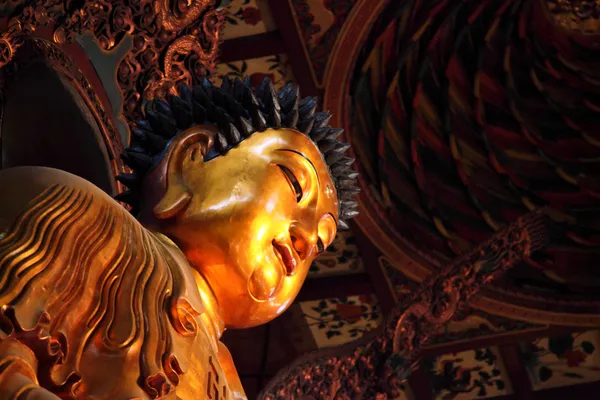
173 41
374 366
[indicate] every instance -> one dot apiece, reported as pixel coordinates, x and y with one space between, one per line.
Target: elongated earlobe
173 203
178 195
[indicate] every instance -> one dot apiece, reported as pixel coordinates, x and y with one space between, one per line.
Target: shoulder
22 185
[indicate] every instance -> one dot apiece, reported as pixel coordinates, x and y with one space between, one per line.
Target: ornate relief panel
173 41
468 323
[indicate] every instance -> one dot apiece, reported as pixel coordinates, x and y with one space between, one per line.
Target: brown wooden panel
283 17
519 378
370 255
420 385
496 340
335 287
255 46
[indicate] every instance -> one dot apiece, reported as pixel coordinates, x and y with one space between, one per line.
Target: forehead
278 139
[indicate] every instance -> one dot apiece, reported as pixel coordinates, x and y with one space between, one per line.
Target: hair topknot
238 112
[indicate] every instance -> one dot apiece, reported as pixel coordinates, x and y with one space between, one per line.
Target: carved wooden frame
173 42
40 50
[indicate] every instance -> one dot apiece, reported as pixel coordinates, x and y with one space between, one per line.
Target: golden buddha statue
235 194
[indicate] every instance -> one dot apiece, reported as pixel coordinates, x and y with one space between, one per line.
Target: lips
287 258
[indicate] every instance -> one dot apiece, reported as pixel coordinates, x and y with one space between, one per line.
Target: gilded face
257 218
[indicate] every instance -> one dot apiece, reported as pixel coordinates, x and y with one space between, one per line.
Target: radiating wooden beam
335 287
517 373
500 339
370 255
282 13
420 384
255 46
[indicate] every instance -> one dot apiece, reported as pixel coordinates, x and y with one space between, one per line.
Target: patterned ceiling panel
247 18
334 322
563 360
275 67
341 258
473 374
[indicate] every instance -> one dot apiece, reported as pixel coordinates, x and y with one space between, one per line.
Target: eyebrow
334 218
307 159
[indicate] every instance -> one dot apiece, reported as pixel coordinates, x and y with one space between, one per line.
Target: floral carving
375 366
37 50
173 41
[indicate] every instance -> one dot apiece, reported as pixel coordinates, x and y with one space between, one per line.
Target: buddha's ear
187 147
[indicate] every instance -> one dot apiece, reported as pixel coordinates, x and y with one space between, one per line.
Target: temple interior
463 116
461 120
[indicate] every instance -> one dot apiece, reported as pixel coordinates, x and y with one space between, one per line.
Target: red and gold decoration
172 41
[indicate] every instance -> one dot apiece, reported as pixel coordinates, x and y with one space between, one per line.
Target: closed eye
295 185
320 246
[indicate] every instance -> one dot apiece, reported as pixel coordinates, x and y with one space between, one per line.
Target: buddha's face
257 218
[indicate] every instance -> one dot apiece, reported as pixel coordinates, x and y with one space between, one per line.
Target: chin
254 313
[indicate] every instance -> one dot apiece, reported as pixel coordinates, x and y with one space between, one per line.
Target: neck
212 312
211 315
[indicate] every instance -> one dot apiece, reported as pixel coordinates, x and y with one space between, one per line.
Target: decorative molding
34 50
173 41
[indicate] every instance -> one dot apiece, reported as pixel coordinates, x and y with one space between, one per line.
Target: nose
303 241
